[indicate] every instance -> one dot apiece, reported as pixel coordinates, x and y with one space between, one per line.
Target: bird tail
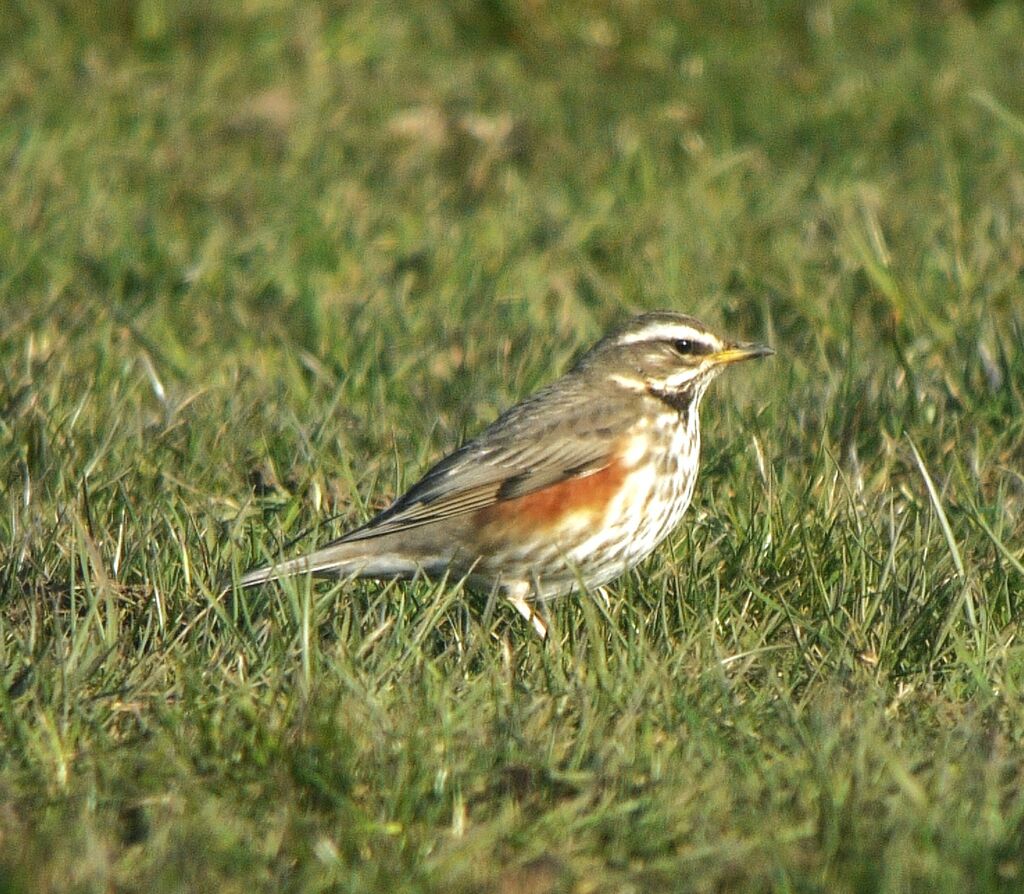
339 559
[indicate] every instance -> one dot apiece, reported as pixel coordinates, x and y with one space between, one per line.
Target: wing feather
532 446
426 502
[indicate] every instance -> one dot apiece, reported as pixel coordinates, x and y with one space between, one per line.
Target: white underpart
636 449
643 488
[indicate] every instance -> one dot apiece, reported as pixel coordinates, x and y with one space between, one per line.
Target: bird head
668 355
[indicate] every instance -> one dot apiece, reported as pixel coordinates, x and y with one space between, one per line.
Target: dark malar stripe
680 401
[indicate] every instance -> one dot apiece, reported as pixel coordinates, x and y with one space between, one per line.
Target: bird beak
736 353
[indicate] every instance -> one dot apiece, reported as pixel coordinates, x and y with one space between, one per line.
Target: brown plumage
575 484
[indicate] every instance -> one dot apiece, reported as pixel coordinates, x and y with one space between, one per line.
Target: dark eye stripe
689 346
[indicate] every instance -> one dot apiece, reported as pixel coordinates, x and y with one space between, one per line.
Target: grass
260 265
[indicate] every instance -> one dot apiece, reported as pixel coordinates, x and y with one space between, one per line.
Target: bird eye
691 347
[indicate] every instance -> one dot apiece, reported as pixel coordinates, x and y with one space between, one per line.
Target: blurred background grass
260 263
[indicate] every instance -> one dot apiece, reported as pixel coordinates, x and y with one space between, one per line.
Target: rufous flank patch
589 494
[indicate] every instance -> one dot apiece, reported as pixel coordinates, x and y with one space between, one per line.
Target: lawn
261 264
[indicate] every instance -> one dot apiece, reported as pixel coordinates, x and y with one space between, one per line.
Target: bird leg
524 608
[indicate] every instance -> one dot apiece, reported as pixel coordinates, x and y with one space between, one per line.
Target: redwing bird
571 487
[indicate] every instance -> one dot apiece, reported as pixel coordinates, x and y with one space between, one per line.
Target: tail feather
335 560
